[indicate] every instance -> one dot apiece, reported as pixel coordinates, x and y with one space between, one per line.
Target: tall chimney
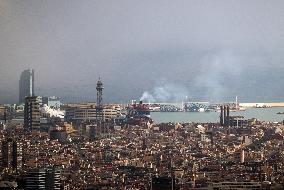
5 116
228 111
221 116
225 115
228 115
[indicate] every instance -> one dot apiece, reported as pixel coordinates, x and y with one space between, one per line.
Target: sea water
263 114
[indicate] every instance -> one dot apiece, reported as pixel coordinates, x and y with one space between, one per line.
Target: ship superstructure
138 113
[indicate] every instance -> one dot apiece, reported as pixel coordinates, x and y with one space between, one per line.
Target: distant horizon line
171 102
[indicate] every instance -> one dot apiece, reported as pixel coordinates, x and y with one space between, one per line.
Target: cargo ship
138 114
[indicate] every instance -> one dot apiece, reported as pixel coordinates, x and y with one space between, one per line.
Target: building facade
26 85
35 179
11 154
32 113
88 112
43 178
236 185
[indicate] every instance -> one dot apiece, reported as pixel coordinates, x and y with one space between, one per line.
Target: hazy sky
203 49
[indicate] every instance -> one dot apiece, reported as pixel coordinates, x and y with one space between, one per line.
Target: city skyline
142 95
203 50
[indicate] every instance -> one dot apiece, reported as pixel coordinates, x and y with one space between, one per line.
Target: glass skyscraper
26 85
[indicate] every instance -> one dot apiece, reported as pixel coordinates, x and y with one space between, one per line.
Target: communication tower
99 107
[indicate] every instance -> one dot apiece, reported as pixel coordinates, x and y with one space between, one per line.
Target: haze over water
263 114
206 50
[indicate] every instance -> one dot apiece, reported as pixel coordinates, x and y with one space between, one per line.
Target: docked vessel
138 114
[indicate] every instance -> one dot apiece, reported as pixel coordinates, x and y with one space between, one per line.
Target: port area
207 106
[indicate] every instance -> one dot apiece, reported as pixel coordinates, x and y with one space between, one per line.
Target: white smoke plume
165 93
52 112
224 68
214 80
146 96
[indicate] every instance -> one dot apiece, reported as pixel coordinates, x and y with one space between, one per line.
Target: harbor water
263 114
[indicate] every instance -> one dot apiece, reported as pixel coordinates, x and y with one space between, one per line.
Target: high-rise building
32 113
11 154
43 178
163 183
35 179
53 179
26 84
7 154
